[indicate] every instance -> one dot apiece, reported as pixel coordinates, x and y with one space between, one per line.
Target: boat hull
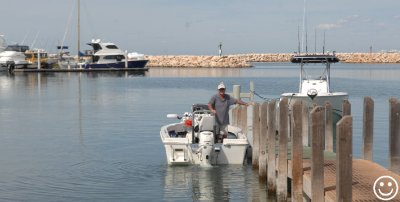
131 64
181 150
336 99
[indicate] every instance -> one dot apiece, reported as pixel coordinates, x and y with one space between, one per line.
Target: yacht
32 56
105 55
108 55
14 55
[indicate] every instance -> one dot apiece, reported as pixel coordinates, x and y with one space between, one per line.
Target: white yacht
106 55
192 141
14 56
315 88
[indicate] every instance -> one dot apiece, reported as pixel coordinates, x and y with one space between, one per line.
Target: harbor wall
244 60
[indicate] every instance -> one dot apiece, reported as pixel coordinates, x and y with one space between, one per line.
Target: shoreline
244 60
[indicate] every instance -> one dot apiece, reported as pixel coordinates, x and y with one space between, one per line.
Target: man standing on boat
219 105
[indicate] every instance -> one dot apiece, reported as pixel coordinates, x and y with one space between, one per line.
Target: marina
199 101
98 133
83 70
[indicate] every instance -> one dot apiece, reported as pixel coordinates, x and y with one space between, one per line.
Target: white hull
336 99
181 151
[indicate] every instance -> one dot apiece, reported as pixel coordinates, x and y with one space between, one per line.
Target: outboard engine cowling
206 143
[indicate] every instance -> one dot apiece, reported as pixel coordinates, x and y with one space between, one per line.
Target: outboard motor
206 143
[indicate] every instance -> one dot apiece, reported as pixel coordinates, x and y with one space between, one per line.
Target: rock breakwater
245 60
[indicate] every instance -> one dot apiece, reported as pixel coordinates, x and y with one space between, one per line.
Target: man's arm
211 108
242 103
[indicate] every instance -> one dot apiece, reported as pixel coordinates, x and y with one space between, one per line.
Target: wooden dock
282 150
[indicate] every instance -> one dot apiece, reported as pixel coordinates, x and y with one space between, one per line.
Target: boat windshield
17 48
112 47
314 71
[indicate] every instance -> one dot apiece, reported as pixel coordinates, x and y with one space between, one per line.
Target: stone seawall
244 60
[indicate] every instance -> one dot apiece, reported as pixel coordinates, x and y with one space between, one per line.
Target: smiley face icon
385 188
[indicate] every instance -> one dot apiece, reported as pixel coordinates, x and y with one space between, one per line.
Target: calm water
95 136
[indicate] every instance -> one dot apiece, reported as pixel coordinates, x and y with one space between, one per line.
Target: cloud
328 26
353 19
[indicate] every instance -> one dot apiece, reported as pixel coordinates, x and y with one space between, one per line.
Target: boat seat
207 123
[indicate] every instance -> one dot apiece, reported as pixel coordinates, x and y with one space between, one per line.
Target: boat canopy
314 59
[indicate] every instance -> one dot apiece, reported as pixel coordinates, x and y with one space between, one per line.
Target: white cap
221 85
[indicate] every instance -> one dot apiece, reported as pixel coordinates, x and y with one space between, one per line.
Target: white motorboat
13 57
105 55
315 89
108 55
193 140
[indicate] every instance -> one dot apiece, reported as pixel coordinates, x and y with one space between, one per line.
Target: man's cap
221 86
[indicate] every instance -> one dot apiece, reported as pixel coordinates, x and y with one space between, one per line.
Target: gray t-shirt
222 107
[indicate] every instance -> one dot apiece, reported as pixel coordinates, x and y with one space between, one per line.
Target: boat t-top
315 89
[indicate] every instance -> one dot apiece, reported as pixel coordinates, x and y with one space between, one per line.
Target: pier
301 157
83 70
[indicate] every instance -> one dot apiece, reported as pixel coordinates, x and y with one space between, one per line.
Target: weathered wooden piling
368 128
346 108
317 154
243 119
239 121
328 127
256 135
297 152
262 171
271 131
394 137
282 155
235 115
305 123
344 159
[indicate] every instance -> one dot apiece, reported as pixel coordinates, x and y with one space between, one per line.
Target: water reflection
284 70
220 183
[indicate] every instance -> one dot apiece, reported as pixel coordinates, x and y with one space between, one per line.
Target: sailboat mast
304 27
79 30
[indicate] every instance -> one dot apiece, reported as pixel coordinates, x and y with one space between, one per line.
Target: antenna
79 30
323 47
306 42
298 38
304 26
315 41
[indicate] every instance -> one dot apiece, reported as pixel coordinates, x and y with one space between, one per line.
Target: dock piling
368 128
256 135
344 159
317 154
297 152
263 142
346 108
394 138
283 146
305 127
271 131
328 127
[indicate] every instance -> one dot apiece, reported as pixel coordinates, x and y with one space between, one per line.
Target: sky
196 27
